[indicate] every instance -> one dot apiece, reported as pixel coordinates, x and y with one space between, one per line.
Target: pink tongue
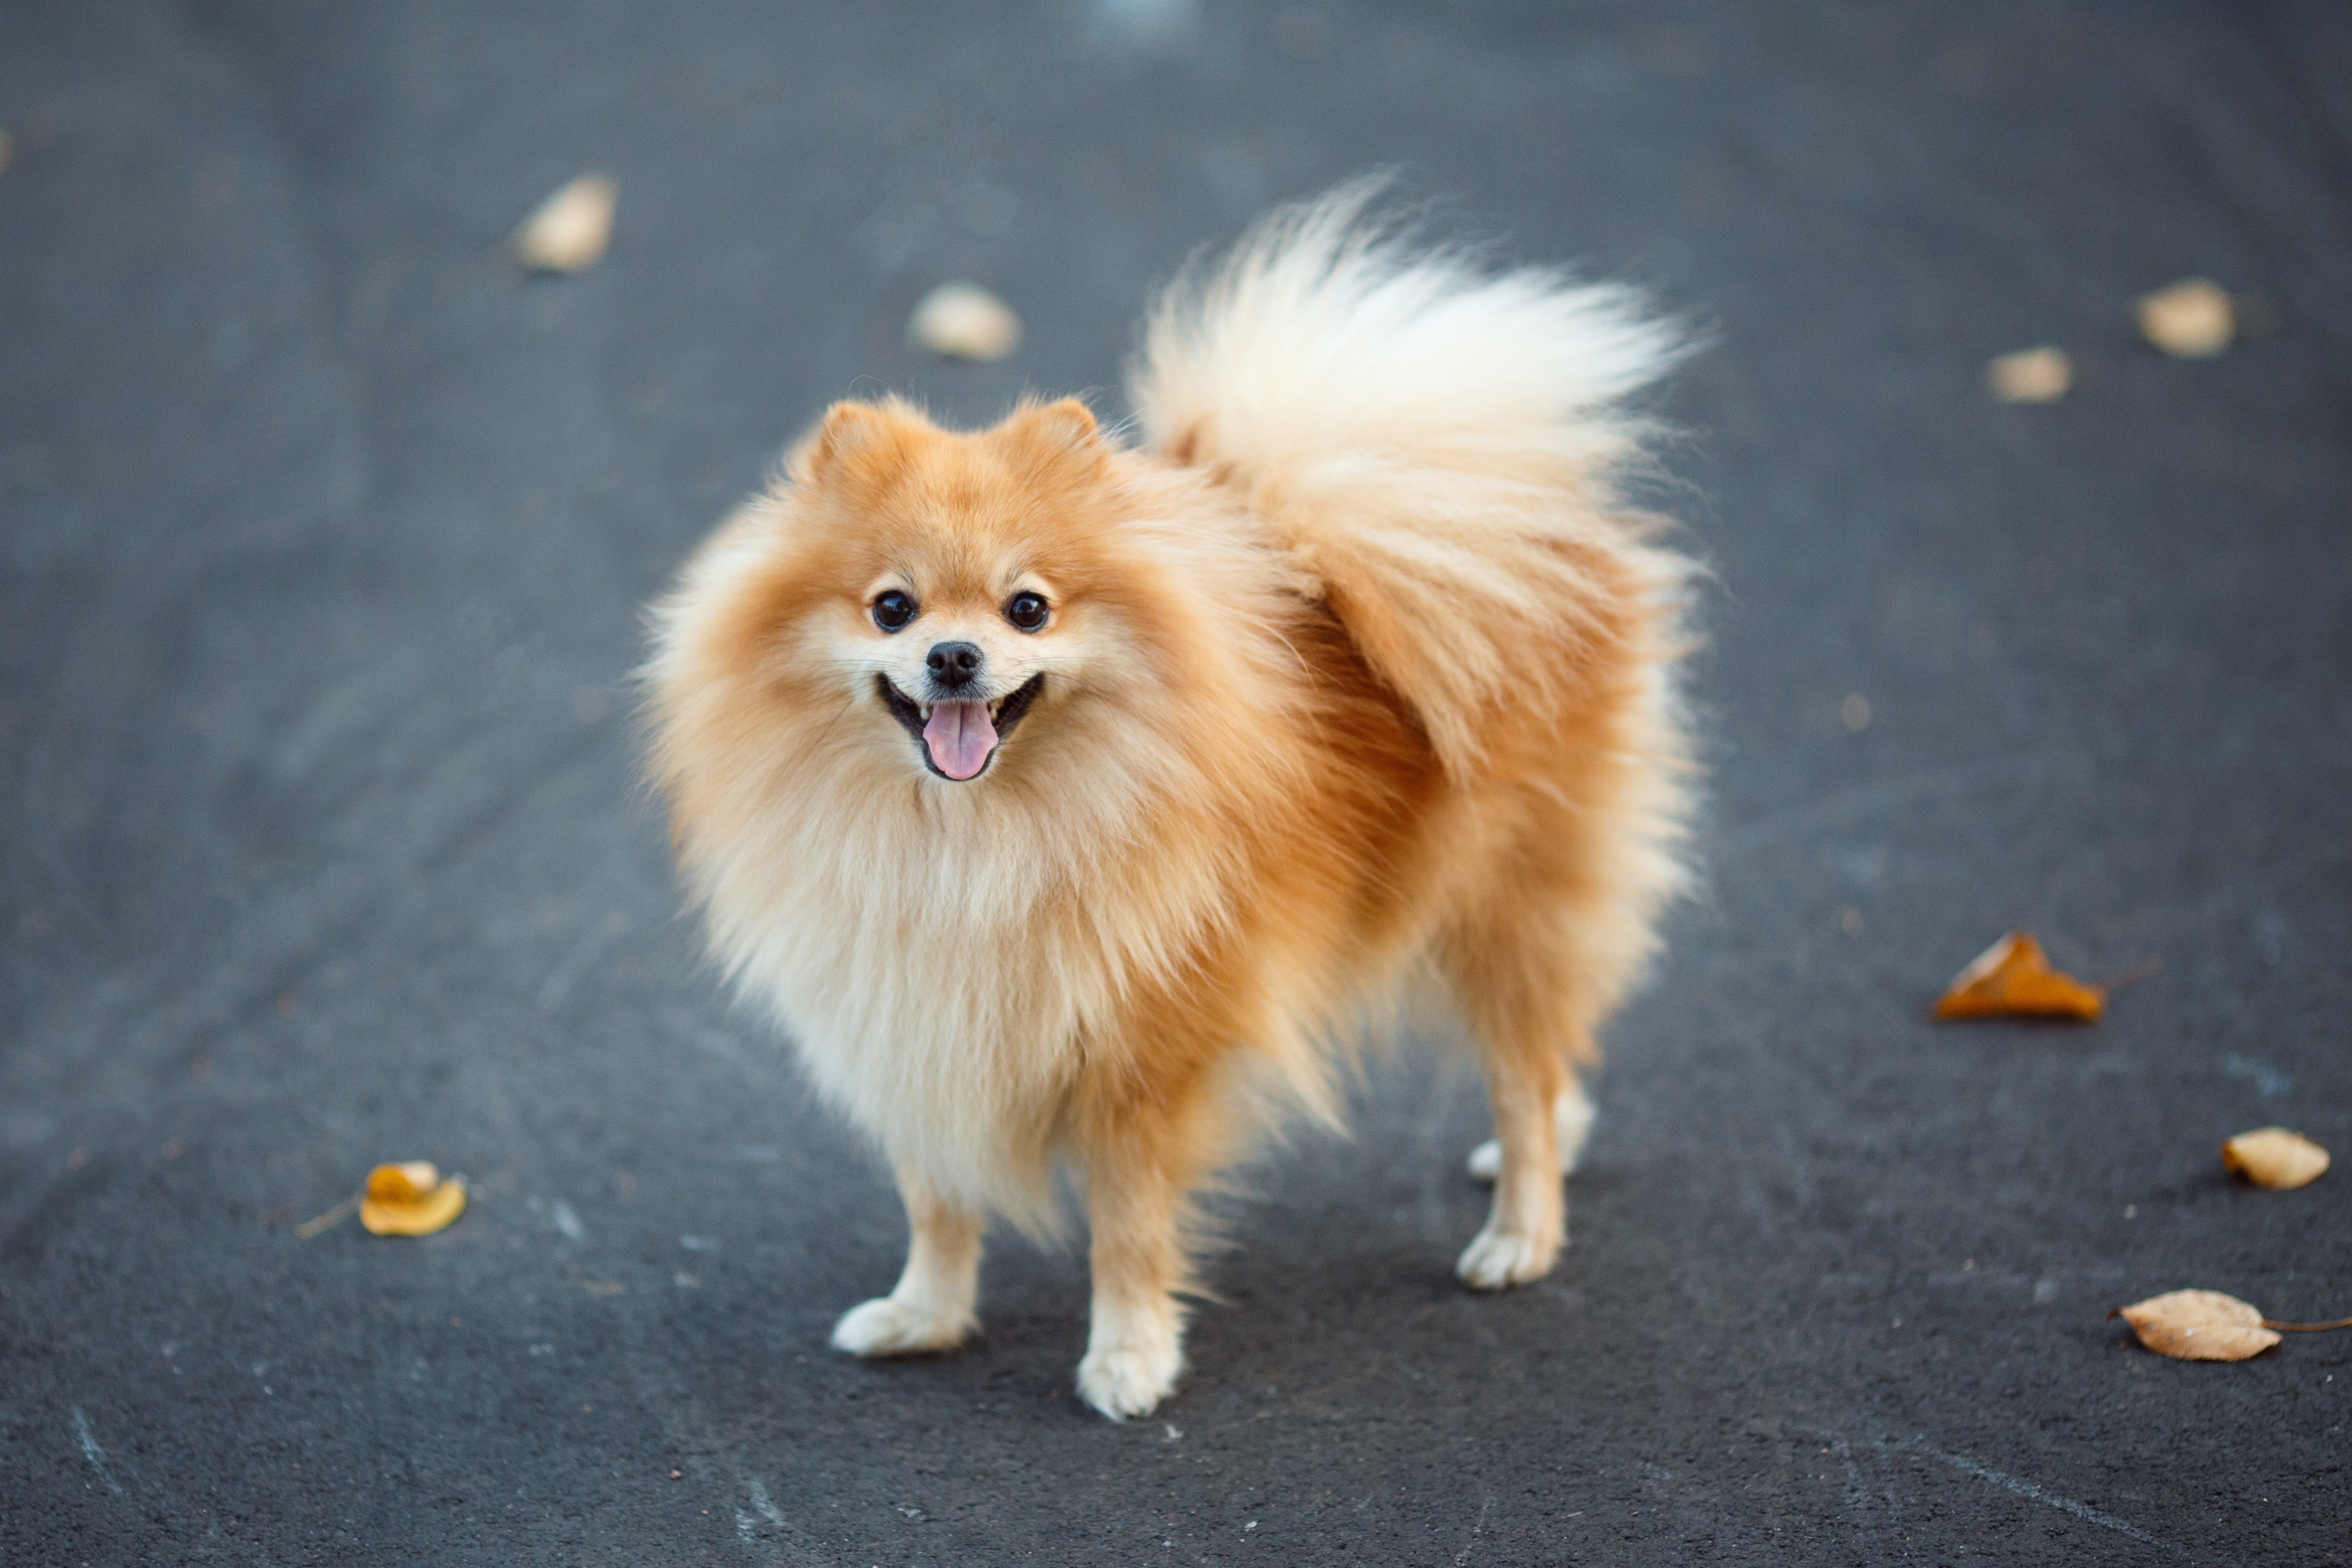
960 737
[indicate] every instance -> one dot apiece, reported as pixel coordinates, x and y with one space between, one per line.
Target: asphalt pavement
326 536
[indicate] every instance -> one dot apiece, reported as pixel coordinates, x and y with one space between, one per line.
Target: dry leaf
2190 320
2206 1325
2030 375
571 229
2012 978
2198 1325
963 321
2274 1158
410 1199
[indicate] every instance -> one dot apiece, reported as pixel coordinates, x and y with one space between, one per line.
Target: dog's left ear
1064 429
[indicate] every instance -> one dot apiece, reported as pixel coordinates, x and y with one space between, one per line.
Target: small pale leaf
2274 1158
964 321
571 229
2199 1325
2030 375
2192 319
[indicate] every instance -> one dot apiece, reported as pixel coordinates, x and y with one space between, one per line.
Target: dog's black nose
953 665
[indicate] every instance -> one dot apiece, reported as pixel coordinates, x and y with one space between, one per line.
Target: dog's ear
1060 429
847 429
1069 421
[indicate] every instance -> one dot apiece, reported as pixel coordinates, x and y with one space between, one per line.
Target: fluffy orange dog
1071 798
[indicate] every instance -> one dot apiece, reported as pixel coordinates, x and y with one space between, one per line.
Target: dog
1070 797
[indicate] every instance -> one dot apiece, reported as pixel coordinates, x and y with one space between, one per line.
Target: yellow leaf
2274 1158
2012 978
571 229
963 321
410 1199
2198 1325
2192 319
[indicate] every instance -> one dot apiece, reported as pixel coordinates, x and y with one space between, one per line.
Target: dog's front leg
1135 1340
1528 1223
931 1309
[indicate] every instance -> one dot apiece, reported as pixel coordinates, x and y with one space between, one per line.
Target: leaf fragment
2012 978
2191 320
2276 1158
964 321
2039 374
328 1220
2198 1325
570 230
410 1198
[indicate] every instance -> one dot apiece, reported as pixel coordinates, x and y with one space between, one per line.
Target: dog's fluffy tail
1437 442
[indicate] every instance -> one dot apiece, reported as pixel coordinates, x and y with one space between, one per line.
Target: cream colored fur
1409 423
1359 666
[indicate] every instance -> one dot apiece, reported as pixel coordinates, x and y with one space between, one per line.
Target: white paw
1126 1380
1498 1260
888 1326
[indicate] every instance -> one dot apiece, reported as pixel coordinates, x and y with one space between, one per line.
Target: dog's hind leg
1528 1223
931 1309
1517 995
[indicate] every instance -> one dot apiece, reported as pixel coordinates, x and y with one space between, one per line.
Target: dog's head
957 585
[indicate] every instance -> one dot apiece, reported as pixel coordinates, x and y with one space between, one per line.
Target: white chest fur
938 972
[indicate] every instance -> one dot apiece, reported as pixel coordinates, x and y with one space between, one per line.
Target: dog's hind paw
1124 1380
1485 1161
1495 1260
888 1326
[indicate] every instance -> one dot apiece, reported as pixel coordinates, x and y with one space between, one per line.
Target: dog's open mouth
959 739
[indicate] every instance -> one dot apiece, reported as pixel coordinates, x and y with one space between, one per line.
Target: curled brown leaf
2012 978
410 1198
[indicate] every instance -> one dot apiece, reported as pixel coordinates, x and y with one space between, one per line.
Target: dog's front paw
888 1326
1124 1380
1572 1122
1498 1260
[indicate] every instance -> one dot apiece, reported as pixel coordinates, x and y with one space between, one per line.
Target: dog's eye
892 610
1026 612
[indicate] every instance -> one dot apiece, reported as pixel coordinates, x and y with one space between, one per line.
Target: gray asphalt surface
326 534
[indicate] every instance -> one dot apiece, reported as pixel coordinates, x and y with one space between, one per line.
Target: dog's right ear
846 430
